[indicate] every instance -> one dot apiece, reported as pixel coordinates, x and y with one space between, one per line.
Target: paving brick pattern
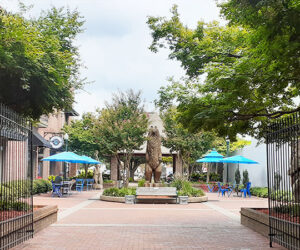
89 223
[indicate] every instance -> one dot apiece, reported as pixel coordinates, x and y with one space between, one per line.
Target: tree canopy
251 66
39 62
116 130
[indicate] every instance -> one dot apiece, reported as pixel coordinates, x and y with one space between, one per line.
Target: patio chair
56 189
89 184
79 184
246 190
222 190
231 189
210 189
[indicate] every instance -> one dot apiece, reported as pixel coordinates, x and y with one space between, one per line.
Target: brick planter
122 199
112 198
43 217
257 221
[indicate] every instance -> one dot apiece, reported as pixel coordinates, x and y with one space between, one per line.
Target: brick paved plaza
85 222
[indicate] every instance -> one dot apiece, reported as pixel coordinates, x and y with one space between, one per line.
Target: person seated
58 179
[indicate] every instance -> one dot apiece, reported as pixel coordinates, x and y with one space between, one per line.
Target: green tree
82 138
121 128
190 146
39 62
252 66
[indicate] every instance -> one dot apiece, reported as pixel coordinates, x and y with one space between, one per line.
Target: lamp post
66 138
227 154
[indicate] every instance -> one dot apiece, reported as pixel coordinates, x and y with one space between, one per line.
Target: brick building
50 126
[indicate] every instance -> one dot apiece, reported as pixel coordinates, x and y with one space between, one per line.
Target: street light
227 154
66 138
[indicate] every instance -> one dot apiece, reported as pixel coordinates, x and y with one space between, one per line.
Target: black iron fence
283 155
16 204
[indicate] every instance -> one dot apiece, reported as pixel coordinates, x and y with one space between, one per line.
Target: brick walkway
88 223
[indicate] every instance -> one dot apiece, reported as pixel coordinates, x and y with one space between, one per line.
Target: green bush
237 176
107 181
130 179
141 183
16 206
51 178
196 177
184 188
245 177
90 175
41 186
119 192
259 191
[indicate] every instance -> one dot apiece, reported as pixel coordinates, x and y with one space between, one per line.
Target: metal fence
16 204
283 156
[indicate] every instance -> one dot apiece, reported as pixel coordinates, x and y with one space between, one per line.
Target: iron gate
16 203
283 157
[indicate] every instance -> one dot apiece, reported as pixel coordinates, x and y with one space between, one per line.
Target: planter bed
204 186
20 222
122 199
258 220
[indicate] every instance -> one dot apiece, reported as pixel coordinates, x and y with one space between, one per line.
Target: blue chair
231 189
210 189
89 184
56 189
246 190
222 190
79 184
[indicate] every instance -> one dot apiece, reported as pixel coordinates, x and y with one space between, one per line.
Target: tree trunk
208 172
127 159
86 170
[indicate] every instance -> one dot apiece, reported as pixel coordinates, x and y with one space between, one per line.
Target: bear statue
153 155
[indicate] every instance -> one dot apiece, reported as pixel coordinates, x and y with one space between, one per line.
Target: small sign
56 142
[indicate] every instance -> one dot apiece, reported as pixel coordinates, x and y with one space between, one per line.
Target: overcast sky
114 46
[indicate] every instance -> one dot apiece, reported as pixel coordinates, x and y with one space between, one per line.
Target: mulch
283 216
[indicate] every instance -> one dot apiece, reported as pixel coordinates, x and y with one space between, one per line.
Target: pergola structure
154 120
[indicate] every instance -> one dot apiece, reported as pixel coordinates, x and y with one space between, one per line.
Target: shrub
245 177
185 188
107 181
237 176
119 192
130 179
90 175
196 177
16 206
141 183
259 191
41 186
51 177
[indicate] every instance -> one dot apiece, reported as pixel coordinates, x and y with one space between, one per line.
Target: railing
16 204
283 156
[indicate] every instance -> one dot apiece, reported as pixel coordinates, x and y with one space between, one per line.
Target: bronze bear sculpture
153 155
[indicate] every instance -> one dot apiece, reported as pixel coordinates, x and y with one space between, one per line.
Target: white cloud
114 46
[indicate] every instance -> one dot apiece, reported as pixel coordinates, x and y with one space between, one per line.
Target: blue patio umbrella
238 159
213 156
66 157
90 160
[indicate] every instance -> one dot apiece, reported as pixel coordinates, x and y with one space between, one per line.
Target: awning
39 141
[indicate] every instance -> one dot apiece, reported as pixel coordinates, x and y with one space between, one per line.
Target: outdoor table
66 187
